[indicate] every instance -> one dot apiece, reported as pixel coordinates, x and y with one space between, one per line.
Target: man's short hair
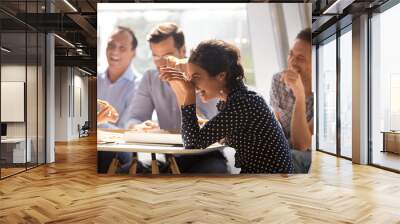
164 31
305 35
130 32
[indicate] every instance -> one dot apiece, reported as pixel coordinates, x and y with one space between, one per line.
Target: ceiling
75 21
332 15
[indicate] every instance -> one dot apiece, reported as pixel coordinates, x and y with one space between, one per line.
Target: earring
221 92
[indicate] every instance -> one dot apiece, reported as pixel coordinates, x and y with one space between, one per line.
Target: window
22 76
346 94
334 106
385 85
327 96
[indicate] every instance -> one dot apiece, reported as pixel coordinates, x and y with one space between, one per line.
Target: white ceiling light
338 6
70 5
5 50
64 40
84 71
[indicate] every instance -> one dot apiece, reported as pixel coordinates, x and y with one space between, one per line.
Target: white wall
33 127
80 100
293 20
70 84
16 73
61 103
264 52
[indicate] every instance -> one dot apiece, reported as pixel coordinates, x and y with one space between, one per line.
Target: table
13 150
391 141
168 150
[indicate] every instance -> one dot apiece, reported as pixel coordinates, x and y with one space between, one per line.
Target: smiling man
292 101
117 85
153 94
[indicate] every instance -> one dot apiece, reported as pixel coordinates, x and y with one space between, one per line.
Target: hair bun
216 56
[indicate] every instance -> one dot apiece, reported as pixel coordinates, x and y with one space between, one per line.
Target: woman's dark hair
165 30
216 56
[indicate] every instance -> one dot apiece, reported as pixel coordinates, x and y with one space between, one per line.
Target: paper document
153 138
108 136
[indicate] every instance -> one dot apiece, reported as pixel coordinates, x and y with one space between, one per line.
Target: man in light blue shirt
167 39
118 94
117 86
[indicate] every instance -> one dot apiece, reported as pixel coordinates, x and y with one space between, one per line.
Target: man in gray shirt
167 39
153 94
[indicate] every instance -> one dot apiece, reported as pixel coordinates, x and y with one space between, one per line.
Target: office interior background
48 86
357 83
47 80
48 69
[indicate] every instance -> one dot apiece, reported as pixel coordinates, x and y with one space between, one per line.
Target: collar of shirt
238 88
127 75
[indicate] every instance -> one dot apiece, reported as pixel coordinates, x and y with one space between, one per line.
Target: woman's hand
183 88
177 63
107 113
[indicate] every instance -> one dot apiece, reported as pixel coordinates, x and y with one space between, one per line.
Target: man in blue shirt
167 39
117 86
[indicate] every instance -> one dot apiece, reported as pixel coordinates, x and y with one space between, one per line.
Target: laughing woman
244 121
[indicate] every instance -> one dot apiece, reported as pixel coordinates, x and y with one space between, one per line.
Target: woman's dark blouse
246 124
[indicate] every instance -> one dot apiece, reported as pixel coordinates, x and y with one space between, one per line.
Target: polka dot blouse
246 124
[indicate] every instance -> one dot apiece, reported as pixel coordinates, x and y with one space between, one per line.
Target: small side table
391 141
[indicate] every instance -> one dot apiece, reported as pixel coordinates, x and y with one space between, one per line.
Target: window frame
379 10
334 37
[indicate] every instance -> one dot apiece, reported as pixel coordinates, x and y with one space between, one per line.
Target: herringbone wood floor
70 191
